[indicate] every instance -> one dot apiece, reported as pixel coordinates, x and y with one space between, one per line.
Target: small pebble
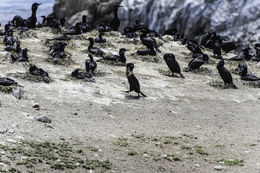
218 167
44 119
11 141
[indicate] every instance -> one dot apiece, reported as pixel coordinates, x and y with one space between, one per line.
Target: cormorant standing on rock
225 74
94 50
90 65
115 23
132 80
172 64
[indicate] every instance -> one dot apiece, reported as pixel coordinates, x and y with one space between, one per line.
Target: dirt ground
184 125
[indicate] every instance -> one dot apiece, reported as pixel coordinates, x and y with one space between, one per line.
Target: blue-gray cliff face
237 19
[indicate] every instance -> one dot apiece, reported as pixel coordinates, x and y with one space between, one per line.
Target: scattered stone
11 141
197 165
3 131
218 167
146 155
49 126
36 106
17 92
44 119
11 131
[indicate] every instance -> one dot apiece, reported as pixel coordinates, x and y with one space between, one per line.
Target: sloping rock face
237 19
96 10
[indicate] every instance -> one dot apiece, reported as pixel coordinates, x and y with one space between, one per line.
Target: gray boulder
96 10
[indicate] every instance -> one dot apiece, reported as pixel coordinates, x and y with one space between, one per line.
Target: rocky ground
184 125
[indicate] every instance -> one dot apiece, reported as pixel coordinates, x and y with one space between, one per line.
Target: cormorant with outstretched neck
132 80
30 22
225 74
100 38
94 50
121 57
172 64
33 70
90 65
115 23
23 58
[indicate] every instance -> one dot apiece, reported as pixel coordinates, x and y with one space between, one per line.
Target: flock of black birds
210 40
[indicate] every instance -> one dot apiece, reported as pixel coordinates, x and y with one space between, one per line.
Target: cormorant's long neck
244 71
122 56
100 35
34 13
115 13
91 43
25 54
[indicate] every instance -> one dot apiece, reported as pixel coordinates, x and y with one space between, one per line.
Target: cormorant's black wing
134 83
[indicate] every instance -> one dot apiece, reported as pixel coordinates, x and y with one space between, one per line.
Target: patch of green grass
58 156
93 164
122 142
14 170
6 89
220 146
172 157
252 145
167 141
94 149
140 137
170 137
159 145
200 150
189 136
232 162
156 159
184 147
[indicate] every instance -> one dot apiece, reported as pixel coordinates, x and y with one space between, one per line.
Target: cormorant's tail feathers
182 75
158 50
46 79
143 94
233 86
